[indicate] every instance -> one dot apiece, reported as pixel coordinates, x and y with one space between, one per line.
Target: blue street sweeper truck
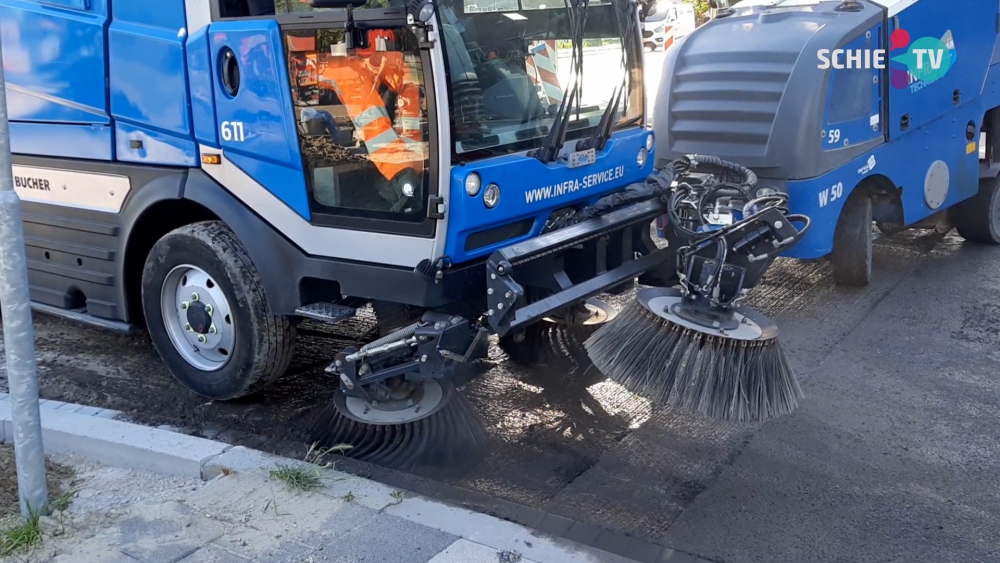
860 111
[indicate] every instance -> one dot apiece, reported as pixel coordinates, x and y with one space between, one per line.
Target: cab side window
362 120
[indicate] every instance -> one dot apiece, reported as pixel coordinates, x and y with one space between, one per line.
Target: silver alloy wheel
197 317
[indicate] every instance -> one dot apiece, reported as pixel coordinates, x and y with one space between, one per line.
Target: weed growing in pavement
349 497
62 502
398 495
297 478
315 455
19 535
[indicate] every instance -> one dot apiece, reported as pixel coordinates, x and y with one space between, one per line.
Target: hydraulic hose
702 161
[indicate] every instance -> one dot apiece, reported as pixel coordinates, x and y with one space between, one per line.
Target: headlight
472 184
640 159
649 143
660 29
426 12
491 197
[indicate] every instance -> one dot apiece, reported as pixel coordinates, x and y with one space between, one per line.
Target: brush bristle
714 376
449 439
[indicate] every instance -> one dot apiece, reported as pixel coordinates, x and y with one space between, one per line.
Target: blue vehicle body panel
54 64
270 152
974 31
530 189
148 84
822 198
199 69
95 142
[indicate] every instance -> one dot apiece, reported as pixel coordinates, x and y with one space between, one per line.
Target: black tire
889 229
977 219
262 342
853 242
531 349
394 316
539 337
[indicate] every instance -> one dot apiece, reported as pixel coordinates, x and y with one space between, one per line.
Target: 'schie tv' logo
924 61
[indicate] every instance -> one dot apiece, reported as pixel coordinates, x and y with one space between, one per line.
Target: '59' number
233 131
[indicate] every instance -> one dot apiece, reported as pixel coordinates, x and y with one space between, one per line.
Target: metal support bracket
530 280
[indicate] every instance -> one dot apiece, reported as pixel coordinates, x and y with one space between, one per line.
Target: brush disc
449 439
422 401
730 369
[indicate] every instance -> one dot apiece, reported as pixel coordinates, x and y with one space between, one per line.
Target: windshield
510 66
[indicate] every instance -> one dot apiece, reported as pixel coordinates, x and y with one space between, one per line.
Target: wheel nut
194 297
212 329
187 328
185 305
209 309
202 339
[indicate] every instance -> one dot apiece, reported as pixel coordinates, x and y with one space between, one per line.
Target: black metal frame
439 339
529 281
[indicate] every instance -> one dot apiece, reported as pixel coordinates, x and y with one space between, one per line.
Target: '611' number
233 131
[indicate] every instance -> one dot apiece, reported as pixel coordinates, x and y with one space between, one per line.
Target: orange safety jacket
356 81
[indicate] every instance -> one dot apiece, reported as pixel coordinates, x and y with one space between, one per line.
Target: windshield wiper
626 28
556 137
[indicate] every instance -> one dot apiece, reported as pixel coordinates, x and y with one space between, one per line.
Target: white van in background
668 21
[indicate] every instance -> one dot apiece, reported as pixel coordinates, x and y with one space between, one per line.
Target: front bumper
529 281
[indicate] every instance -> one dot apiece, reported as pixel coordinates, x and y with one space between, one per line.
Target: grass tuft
62 502
19 535
316 455
297 478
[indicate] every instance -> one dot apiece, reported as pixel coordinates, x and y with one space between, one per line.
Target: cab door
337 125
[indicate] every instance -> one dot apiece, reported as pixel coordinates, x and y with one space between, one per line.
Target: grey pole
18 334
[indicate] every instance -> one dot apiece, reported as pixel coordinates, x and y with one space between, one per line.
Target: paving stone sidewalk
140 502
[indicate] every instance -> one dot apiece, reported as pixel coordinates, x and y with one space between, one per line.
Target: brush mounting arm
722 266
437 338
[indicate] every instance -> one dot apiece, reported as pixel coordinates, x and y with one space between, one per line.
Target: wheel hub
197 317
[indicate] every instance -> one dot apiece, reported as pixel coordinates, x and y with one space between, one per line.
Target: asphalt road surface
894 455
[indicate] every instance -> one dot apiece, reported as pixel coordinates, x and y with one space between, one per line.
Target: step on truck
862 111
216 173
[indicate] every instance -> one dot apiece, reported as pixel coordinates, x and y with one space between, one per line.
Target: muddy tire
208 316
977 219
853 242
394 316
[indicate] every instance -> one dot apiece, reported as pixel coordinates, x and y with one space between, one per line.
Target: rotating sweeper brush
397 405
696 347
